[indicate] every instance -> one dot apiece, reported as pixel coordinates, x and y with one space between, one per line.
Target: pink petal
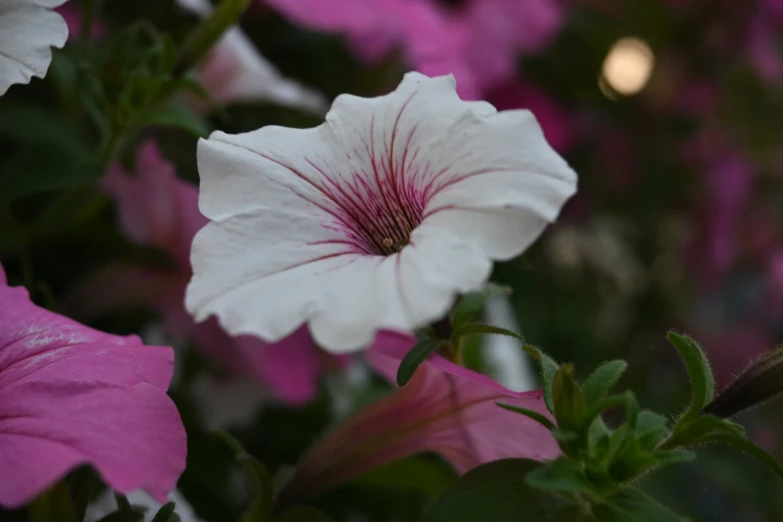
71 395
155 206
444 408
72 15
291 367
477 43
763 49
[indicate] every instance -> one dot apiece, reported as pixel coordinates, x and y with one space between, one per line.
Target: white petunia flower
28 31
375 219
234 71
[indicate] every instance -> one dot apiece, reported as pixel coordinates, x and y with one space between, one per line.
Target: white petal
257 79
27 33
509 365
398 292
201 8
436 265
253 291
236 72
501 183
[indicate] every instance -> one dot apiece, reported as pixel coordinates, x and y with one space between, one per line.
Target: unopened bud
760 382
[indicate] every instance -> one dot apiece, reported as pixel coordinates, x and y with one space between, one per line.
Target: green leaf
631 505
701 429
177 114
650 429
481 328
165 513
414 358
302 514
471 305
702 380
745 445
497 492
597 408
261 482
45 166
536 416
568 400
602 380
562 475
53 505
548 370
675 456
564 435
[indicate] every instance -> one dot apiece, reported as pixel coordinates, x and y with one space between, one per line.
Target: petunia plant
582 470
187 211
594 477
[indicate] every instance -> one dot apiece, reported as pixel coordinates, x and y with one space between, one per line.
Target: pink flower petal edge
445 408
71 395
390 348
478 42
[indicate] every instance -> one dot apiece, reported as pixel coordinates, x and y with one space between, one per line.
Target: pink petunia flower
375 219
71 395
445 408
158 209
730 181
763 48
478 43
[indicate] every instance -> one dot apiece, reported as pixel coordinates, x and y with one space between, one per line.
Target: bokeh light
627 67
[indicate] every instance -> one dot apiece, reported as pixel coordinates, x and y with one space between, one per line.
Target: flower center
380 220
389 225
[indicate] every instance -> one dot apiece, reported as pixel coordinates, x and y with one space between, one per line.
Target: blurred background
670 111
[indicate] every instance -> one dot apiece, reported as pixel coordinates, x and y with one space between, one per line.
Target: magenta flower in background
775 9
158 209
478 42
733 348
71 395
763 49
729 184
554 120
445 408
72 15
728 181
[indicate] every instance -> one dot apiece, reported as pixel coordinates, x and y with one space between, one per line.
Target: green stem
111 147
90 9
